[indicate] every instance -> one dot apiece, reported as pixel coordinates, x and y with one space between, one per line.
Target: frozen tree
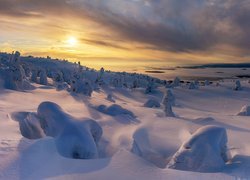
205 151
81 86
150 87
57 76
43 77
196 83
206 83
168 102
191 85
237 86
34 74
176 82
14 76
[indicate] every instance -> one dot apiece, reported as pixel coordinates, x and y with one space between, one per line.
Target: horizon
135 33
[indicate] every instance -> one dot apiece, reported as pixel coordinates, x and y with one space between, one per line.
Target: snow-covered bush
152 103
245 111
205 151
237 86
114 110
168 102
74 138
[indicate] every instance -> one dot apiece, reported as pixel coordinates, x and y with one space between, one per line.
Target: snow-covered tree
176 82
206 83
150 87
168 102
237 86
192 85
34 74
43 77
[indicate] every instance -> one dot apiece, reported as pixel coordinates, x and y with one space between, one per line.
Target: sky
131 32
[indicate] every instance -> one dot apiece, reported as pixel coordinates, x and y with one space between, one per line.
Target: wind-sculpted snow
115 110
74 138
205 151
152 103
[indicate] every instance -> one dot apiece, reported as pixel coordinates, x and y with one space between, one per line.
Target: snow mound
74 138
29 125
245 111
115 110
152 103
205 151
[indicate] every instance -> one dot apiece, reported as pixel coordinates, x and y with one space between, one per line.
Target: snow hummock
152 103
205 151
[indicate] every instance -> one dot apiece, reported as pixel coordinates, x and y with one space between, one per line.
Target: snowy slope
137 141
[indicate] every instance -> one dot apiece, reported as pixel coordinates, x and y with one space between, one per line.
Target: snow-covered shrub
245 111
43 77
168 102
74 138
152 103
114 110
237 86
205 151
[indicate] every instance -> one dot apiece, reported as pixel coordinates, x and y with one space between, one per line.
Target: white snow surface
138 147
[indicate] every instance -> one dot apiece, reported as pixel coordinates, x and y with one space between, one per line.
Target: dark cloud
167 25
103 43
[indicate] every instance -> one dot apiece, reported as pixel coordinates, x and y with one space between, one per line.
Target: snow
49 132
152 103
205 151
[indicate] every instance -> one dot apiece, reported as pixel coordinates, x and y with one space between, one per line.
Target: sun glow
72 41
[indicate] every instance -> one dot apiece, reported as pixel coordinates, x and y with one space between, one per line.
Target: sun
72 41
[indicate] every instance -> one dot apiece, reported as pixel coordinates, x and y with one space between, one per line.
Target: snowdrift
74 138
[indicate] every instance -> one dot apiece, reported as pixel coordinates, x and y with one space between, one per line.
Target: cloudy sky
128 31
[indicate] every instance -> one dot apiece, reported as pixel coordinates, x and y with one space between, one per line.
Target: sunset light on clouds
169 32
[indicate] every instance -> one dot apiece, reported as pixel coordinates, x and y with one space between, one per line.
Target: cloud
165 25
